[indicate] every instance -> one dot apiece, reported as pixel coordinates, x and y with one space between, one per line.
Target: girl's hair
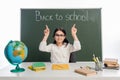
60 29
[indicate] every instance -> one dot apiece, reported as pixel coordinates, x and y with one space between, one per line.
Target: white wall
10 21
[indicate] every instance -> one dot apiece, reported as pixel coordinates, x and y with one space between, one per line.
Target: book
36 70
110 61
85 71
38 65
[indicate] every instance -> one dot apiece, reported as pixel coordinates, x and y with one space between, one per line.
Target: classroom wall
10 21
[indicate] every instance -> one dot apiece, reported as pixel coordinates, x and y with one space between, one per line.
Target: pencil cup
98 66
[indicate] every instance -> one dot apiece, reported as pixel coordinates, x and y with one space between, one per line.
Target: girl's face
59 36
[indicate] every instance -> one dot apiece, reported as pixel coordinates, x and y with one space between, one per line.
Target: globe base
17 69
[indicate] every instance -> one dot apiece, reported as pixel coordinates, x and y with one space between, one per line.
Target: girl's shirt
60 54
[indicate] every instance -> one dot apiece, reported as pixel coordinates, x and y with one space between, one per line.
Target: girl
60 49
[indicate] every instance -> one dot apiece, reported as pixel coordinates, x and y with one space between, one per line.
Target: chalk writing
40 17
74 16
67 17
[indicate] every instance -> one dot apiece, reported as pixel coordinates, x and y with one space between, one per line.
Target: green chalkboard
88 23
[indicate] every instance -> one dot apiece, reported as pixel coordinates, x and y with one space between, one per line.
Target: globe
16 52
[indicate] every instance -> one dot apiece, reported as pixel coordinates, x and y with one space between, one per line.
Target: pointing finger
74 25
46 26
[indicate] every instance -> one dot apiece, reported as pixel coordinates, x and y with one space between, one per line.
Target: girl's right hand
46 31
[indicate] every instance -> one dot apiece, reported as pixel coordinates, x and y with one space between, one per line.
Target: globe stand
17 69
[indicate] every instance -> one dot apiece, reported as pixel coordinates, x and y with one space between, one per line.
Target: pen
94 58
97 59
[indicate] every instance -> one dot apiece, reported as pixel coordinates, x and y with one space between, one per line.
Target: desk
50 74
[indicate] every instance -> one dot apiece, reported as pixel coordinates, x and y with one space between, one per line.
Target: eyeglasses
61 35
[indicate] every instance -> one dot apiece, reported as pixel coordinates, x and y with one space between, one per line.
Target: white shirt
60 54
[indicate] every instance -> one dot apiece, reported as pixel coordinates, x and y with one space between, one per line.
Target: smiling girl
60 49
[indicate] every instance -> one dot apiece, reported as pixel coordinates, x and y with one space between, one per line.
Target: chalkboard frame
91 42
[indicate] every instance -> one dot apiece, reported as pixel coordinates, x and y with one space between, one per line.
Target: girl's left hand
74 30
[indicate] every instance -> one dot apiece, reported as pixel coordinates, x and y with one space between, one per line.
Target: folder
60 66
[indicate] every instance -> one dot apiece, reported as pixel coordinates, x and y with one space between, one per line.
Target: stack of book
37 66
111 63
